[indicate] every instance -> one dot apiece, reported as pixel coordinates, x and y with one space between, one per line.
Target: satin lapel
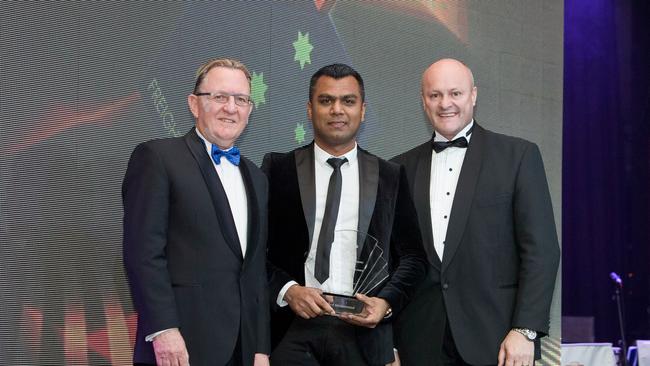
464 195
306 173
217 193
368 183
421 196
253 209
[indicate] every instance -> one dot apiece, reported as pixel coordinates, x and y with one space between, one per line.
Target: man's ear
248 114
474 95
193 103
309 110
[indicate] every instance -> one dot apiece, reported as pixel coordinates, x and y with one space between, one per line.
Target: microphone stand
618 286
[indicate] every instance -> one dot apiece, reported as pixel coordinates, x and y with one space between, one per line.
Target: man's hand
373 312
516 350
170 350
307 302
261 360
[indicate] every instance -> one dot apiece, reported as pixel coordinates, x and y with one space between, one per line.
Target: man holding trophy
344 248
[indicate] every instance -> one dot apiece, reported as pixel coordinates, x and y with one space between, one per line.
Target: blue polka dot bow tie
232 155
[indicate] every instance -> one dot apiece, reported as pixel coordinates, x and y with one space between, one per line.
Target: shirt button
445 286
450 169
445 216
447 193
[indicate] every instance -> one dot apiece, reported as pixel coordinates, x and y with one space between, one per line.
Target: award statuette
370 271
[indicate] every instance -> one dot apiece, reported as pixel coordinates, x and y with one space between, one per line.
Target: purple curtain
606 163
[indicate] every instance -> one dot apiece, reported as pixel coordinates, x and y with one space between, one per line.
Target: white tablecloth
588 354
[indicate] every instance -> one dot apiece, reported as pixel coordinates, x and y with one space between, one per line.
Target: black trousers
321 341
450 355
236 359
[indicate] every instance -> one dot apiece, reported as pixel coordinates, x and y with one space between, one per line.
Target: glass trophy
370 270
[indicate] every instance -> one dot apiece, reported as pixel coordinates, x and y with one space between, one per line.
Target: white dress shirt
445 169
343 255
233 183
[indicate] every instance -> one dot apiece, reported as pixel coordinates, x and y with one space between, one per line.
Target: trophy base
344 304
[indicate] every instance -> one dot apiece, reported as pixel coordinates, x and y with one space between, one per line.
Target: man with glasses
195 234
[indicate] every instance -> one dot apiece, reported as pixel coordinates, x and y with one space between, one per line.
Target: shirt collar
321 155
463 132
207 144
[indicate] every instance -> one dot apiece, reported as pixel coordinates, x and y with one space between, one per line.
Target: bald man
487 223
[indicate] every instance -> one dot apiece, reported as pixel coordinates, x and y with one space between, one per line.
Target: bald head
449 66
448 96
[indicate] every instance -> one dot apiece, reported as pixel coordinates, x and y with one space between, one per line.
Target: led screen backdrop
81 83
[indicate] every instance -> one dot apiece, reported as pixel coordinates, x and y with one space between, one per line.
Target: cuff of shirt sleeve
280 300
150 337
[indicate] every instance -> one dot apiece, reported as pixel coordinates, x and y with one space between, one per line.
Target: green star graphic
300 133
258 89
303 49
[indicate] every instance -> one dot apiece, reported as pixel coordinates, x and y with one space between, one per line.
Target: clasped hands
309 302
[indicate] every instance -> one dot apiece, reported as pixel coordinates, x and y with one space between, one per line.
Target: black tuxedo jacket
500 258
183 257
385 212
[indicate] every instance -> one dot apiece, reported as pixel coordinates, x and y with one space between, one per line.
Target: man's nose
230 105
336 107
445 101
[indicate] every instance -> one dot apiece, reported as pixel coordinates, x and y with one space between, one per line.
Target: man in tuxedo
195 230
487 225
319 194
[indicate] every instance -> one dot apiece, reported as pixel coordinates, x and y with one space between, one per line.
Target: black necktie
326 236
438 146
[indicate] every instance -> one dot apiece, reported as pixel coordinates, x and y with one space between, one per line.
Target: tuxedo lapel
306 175
252 200
217 193
464 195
421 198
368 183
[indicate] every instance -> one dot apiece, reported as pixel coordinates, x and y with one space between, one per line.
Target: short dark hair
336 71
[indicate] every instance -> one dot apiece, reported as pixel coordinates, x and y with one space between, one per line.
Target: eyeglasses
241 100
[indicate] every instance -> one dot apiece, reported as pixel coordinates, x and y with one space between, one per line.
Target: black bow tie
438 146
